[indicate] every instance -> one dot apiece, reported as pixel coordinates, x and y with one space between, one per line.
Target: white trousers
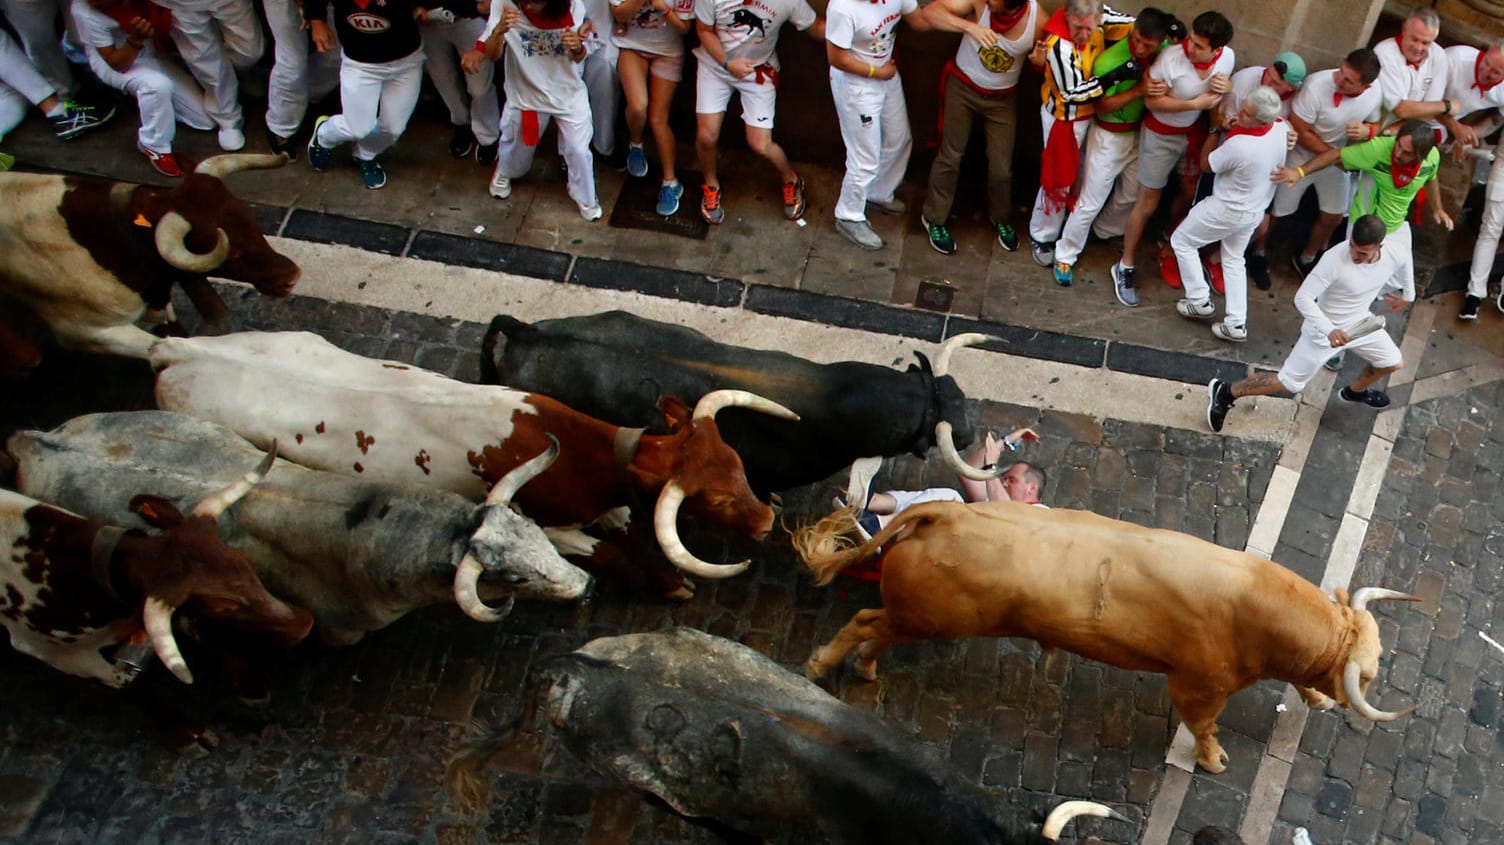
604 87
377 99
1044 227
875 127
299 73
165 94
35 21
21 86
214 39
515 158
1108 156
1210 221
475 102
1489 230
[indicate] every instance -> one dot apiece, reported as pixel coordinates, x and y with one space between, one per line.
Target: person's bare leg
882 503
761 141
1258 384
1138 219
1321 233
1368 377
707 136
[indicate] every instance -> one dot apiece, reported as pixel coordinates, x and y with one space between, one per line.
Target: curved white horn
1352 682
947 446
503 491
467 593
172 229
157 615
666 527
217 503
942 358
223 165
715 400
1364 595
1062 815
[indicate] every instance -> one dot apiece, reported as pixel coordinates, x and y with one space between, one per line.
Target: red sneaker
164 163
1214 275
1169 270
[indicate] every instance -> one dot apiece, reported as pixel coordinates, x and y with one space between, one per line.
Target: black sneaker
940 237
461 142
1007 236
282 146
1219 401
486 153
1371 398
1302 267
78 118
1258 270
1469 308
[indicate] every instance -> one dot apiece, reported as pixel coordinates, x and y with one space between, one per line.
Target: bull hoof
1215 762
866 669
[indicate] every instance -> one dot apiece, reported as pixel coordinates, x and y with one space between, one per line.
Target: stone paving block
1210 803
1039 761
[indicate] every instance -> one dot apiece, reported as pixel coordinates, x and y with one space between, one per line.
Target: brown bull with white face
72 589
1214 620
91 256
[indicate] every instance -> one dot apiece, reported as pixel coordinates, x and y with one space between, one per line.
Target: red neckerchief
1243 130
1002 23
564 22
1057 26
1399 41
1336 98
1478 71
1206 65
1402 174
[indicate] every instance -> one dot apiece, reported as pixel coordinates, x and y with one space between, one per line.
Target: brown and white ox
1214 620
388 421
91 256
74 587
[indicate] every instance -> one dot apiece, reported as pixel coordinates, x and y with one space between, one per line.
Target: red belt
1163 128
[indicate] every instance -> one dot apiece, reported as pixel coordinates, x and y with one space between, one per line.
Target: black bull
719 731
616 365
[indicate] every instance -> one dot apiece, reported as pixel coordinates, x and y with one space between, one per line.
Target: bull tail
496 333
826 547
463 773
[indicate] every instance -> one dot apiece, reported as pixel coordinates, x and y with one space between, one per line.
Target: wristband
871 71
1446 106
1301 171
1373 129
726 64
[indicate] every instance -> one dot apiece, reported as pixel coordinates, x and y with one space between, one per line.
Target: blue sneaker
1065 274
637 160
668 198
318 154
371 173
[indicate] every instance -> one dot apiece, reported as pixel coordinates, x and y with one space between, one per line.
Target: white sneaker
231 139
501 186
591 213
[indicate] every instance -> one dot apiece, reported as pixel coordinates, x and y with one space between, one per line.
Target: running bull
357 553
392 422
91 256
615 365
718 731
74 588
1214 620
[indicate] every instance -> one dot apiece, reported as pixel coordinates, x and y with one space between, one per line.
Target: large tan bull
1212 619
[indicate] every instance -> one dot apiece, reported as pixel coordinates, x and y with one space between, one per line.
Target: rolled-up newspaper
1366 326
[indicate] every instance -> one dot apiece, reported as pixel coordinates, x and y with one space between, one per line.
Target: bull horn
223 165
666 527
172 229
217 503
1352 683
467 593
715 400
157 615
502 493
942 359
948 449
1363 596
1062 815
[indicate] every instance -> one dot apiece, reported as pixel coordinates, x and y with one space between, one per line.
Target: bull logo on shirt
996 59
368 23
745 17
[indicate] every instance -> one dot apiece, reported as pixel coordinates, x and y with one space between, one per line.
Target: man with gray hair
1253 148
1414 70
